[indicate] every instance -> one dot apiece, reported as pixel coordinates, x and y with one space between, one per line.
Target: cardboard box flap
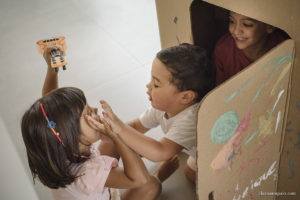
281 14
174 25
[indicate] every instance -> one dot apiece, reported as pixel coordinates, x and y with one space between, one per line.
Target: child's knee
154 185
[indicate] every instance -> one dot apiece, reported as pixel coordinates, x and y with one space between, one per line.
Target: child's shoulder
225 41
224 47
190 111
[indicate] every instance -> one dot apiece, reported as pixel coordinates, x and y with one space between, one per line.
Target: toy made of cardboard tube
57 57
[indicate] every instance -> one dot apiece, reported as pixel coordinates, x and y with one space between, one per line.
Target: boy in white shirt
180 77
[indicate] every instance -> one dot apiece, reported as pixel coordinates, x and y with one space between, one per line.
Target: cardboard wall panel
286 16
241 130
174 22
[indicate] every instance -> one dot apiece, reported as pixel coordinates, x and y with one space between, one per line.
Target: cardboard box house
248 130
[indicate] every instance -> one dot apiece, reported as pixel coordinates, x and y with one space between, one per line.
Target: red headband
51 124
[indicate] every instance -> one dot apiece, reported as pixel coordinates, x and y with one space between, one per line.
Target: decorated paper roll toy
57 57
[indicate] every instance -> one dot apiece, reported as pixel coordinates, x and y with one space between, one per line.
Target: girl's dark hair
51 161
190 67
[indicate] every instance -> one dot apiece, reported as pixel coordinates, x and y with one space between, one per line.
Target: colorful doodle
288 125
175 20
277 100
239 90
232 147
258 92
280 61
244 165
262 144
266 122
282 74
291 165
225 127
277 120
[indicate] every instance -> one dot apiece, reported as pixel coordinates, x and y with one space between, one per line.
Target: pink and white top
90 185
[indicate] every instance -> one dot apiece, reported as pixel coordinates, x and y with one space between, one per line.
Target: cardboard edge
286 113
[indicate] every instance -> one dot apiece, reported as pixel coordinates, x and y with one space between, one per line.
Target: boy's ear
270 29
188 96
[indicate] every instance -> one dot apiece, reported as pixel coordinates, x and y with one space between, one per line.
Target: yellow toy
57 58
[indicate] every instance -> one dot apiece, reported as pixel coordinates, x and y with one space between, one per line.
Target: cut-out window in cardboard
208 24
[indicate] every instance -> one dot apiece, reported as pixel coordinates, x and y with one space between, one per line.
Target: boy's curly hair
190 68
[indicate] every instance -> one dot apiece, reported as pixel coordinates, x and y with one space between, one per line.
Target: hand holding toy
57 57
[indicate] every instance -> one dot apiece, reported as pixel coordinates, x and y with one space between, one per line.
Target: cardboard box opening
209 23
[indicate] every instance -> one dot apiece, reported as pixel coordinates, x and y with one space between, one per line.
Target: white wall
15 183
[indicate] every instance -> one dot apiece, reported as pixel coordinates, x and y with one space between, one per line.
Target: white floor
111 44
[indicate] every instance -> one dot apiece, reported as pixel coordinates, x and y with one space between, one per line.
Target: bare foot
166 168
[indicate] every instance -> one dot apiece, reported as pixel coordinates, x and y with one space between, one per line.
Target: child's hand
116 124
100 125
47 54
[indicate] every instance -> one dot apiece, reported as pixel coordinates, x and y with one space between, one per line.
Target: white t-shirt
180 128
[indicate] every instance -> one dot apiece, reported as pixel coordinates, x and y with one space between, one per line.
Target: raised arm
134 173
51 79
